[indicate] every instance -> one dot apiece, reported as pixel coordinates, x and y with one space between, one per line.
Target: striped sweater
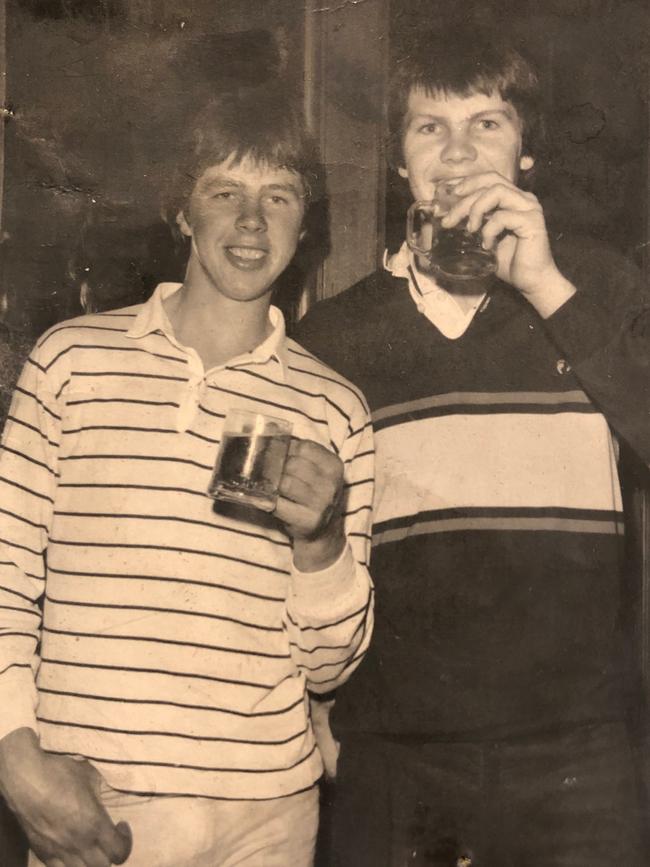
168 640
498 523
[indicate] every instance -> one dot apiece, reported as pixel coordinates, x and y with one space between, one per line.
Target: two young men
487 723
155 650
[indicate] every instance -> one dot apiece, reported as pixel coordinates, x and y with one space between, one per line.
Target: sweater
498 525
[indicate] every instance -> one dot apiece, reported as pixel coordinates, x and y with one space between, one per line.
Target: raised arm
612 361
329 614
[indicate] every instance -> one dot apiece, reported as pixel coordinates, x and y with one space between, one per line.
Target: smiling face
245 222
455 136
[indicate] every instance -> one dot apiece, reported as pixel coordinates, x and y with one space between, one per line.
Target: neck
218 328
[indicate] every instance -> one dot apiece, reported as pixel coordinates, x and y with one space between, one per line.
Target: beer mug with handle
453 252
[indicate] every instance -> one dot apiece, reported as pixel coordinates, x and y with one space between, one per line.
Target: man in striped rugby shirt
155 651
487 724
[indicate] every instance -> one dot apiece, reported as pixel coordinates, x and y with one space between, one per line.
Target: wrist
20 752
318 553
549 293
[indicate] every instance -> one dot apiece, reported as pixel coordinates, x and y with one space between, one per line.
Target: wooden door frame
353 37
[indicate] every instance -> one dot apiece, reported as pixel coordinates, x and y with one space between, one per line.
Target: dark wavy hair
263 122
461 62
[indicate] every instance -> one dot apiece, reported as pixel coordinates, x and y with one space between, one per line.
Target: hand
328 746
56 800
309 504
512 224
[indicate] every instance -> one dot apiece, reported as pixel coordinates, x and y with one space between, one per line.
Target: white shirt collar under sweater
438 305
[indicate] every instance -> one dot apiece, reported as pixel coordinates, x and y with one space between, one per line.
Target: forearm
329 619
329 611
28 472
18 698
20 625
21 585
612 362
20 630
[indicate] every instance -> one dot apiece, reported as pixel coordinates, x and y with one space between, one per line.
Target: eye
488 123
429 128
223 195
278 200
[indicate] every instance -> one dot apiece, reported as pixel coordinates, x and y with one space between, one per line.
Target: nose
458 148
251 217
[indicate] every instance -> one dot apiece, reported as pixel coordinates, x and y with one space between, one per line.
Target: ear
526 162
402 172
183 225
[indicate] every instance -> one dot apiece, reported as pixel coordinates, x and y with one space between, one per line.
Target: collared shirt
153 318
177 638
439 306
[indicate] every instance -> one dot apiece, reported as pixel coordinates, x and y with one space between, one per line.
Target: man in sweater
156 649
487 724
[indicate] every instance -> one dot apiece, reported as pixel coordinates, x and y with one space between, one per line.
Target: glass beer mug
453 252
250 460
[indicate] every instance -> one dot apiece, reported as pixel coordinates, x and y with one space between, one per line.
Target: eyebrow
218 181
506 112
286 188
224 181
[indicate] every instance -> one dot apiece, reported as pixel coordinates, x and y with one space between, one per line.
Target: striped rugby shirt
498 525
177 641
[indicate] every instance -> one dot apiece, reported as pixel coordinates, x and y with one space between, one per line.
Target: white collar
152 317
439 306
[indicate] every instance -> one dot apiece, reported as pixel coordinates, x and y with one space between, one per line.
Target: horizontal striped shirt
168 640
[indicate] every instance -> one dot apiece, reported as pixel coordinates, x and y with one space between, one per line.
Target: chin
249 295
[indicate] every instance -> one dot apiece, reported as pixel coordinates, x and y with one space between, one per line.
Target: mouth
247 258
450 181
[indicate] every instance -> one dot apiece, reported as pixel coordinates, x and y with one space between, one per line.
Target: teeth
247 252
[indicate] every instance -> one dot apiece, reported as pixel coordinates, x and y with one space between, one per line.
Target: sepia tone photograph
325 411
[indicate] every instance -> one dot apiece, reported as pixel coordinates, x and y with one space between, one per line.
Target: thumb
122 849
115 840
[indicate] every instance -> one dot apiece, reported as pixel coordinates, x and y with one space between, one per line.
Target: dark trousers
561 800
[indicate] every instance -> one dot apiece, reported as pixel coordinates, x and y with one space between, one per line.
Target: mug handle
412 235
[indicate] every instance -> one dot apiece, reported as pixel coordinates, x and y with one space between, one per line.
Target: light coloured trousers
198 832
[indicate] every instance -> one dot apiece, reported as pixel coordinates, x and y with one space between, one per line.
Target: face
245 222
455 136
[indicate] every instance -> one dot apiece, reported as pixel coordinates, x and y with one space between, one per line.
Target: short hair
461 62
261 122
